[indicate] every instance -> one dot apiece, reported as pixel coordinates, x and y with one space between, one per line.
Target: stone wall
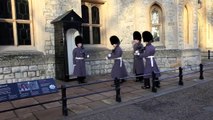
24 66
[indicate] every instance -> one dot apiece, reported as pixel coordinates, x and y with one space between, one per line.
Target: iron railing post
201 72
64 100
180 76
209 54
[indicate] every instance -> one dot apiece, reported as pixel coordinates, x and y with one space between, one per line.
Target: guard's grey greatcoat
79 56
138 64
118 69
150 51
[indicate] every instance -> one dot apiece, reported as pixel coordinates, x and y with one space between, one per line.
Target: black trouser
139 78
157 82
147 82
81 79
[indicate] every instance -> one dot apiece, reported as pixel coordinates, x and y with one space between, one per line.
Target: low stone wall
166 59
23 66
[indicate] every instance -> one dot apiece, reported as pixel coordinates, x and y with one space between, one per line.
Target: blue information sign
13 91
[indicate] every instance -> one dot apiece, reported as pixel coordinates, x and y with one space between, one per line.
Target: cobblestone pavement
143 102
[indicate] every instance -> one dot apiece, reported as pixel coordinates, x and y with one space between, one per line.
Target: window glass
155 17
96 35
22 9
23 34
86 35
95 15
85 14
6 36
5 9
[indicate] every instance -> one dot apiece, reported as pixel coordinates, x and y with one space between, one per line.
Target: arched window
156 22
91 25
15 22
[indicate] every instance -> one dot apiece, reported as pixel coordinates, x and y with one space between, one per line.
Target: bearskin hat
114 40
137 36
147 36
78 39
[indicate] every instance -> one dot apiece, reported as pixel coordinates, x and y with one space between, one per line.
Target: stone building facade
185 29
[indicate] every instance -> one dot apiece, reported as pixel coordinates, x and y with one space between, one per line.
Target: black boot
157 83
79 80
141 79
146 84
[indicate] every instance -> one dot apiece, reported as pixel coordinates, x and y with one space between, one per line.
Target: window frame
89 4
15 21
154 6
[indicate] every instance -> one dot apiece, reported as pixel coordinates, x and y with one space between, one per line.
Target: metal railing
117 88
208 54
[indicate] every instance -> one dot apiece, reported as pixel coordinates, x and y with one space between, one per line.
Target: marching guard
79 55
138 64
150 65
118 70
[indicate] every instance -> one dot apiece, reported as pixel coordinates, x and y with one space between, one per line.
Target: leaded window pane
156 33
24 34
22 9
96 35
95 15
85 14
155 17
86 35
5 9
6 36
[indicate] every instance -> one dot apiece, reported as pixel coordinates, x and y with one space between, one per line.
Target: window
91 26
156 22
15 22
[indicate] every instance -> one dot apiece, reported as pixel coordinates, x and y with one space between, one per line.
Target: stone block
7 70
9 76
16 69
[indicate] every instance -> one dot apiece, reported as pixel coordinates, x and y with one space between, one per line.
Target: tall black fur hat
137 36
114 40
147 36
78 39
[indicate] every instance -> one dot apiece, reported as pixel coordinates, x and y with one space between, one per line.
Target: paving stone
110 101
96 97
96 105
52 105
24 102
5 105
109 94
22 112
80 100
49 114
7 115
129 96
48 97
79 108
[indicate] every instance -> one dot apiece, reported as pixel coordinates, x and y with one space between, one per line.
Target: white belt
119 58
79 58
152 60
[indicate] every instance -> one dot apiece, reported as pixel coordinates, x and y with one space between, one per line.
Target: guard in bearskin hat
118 70
79 55
138 64
151 65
